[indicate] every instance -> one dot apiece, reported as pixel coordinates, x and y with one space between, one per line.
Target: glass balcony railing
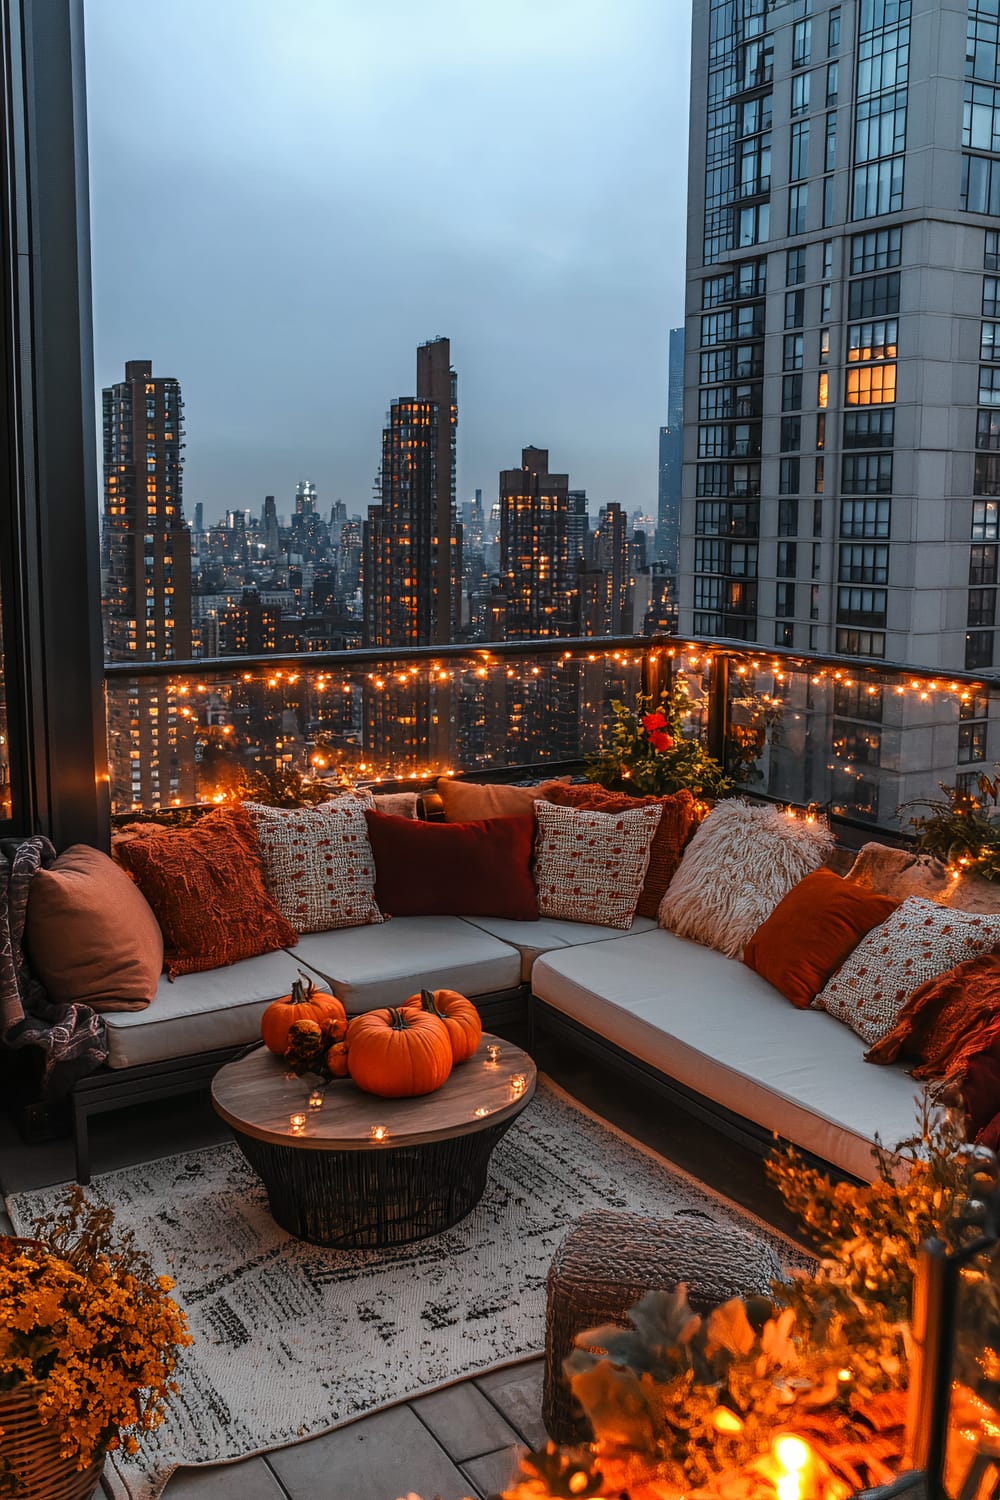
861 739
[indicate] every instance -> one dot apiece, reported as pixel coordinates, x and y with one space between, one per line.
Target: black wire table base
366 1199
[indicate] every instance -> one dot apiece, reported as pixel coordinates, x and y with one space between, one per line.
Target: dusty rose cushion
206 888
90 933
589 865
318 864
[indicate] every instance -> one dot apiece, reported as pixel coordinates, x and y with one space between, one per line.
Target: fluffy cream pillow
740 863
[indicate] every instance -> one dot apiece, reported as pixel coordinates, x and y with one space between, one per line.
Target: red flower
651 722
659 740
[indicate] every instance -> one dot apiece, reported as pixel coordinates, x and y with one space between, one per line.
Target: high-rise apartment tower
842 446
147 585
841 461
412 540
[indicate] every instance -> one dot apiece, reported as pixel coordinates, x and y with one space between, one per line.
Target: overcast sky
289 195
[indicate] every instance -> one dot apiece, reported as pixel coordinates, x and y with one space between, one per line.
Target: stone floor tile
249 1480
379 1458
519 1401
493 1472
464 1421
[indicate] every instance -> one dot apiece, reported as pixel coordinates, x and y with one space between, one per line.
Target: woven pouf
609 1261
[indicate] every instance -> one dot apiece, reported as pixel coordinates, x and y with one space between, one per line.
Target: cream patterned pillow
740 863
919 941
318 864
590 866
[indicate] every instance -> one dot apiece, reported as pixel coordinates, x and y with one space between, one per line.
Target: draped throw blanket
72 1037
951 1026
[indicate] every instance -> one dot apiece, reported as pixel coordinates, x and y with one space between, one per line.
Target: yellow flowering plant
86 1322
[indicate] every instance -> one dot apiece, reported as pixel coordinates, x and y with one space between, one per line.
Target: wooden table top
256 1097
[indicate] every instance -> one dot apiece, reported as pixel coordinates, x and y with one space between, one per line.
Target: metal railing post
717 737
657 672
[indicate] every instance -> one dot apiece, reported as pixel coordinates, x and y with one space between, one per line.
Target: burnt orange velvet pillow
812 931
206 889
678 818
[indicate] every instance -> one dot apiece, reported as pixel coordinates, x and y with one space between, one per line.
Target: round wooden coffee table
361 1171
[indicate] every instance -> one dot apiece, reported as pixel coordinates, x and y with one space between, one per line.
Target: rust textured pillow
811 932
591 865
206 888
318 863
476 869
91 935
680 814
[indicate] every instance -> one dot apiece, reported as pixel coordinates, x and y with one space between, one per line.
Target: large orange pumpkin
305 1003
460 1016
398 1053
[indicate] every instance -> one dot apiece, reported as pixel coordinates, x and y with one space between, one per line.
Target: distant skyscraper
199 518
305 498
269 529
577 531
147 585
675 378
534 566
671 460
606 583
412 539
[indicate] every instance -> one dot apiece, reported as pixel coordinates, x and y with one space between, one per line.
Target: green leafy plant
649 754
959 828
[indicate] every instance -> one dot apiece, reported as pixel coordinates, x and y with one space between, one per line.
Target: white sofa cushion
531 939
199 1012
718 1028
373 966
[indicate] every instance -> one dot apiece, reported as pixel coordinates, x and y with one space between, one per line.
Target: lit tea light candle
481 1112
379 1132
791 1457
316 1099
494 1052
518 1084
297 1123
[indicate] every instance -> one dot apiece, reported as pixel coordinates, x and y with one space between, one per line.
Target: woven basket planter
33 1452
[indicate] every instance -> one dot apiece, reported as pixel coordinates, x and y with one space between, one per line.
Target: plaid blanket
72 1036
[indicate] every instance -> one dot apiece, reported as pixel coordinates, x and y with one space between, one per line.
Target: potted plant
88 1343
649 754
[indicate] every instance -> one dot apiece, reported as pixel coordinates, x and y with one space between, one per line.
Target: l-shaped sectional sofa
700 1026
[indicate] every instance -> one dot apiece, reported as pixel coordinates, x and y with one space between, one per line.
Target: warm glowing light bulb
791 1455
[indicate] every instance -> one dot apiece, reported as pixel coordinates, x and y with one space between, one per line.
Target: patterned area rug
292 1340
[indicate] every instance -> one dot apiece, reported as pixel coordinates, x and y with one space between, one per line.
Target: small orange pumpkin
398 1053
336 1060
305 1003
460 1016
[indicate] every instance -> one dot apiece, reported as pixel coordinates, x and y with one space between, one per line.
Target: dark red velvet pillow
480 869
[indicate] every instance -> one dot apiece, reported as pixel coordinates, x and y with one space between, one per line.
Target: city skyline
301 245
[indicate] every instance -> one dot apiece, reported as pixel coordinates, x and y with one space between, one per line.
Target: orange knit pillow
678 818
206 888
812 931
